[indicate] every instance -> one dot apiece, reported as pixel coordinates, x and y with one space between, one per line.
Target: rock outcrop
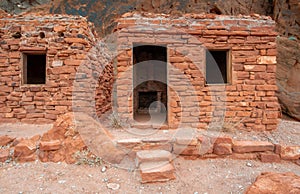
280 183
288 79
103 13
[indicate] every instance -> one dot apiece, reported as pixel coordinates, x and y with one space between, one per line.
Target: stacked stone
65 40
210 146
248 101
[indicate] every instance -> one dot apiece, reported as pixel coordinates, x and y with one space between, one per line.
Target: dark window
34 69
216 67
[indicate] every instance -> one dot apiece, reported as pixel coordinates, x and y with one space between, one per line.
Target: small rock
113 186
105 179
249 164
62 181
103 169
196 192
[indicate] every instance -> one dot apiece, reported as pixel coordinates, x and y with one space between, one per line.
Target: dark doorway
149 81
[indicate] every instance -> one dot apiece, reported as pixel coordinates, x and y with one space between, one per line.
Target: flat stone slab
129 143
290 152
146 156
252 146
152 172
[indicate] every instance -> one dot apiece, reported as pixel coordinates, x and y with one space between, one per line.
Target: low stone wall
204 147
67 138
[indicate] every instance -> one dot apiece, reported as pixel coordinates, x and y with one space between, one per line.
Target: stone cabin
197 70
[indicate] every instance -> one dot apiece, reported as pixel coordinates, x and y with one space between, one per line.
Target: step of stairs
155 166
148 126
146 156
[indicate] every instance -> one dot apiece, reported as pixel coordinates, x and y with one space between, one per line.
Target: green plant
87 158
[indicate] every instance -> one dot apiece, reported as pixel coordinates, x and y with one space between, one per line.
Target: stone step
152 172
149 126
252 146
141 126
146 156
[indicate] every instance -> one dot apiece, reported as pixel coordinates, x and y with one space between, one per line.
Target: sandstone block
4 140
290 152
129 143
224 139
76 40
244 156
269 157
186 150
145 156
186 140
59 28
267 60
223 149
4 155
269 182
25 147
156 172
156 146
50 145
252 146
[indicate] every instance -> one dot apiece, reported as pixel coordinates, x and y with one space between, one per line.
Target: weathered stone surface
156 146
290 152
49 145
269 182
223 149
223 139
266 60
62 141
4 154
129 143
269 157
186 150
206 145
252 146
97 139
244 156
4 140
255 67
49 34
287 15
186 141
25 151
156 172
287 75
145 156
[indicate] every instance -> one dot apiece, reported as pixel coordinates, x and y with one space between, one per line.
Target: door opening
150 82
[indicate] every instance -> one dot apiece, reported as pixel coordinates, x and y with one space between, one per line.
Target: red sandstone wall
68 41
249 101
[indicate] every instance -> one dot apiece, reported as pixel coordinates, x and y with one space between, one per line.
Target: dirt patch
202 176
287 133
22 130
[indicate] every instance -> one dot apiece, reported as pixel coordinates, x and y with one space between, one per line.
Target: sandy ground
195 177
23 130
198 176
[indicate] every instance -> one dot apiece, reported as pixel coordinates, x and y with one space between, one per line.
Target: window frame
228 65
24 66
